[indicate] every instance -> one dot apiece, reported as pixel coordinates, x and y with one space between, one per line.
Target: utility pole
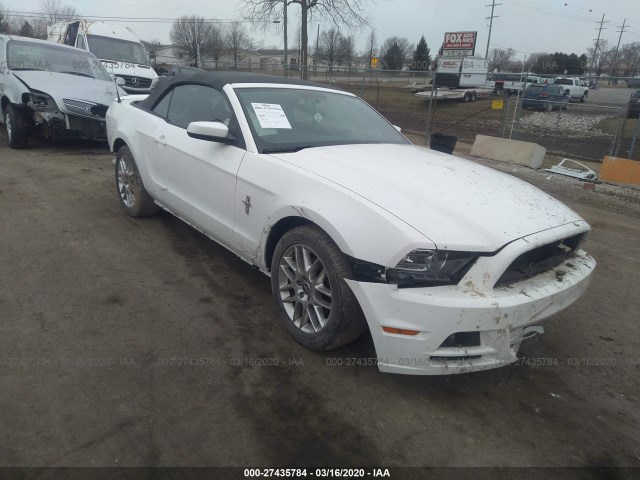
315 55
286 53
615 56
493 6
597 40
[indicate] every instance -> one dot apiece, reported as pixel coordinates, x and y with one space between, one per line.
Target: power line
548 11
14 13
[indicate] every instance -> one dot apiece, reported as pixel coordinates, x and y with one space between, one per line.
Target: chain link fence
604 121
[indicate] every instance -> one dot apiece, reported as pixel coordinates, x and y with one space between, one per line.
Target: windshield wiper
79 73
296 148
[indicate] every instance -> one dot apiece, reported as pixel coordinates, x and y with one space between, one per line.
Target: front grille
540 259
86 109
136 82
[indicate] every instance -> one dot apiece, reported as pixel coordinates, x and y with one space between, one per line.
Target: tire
133 196
548 107
583 98
473 96
17 128
466 98
307 265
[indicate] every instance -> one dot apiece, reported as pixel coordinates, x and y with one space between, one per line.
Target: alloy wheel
127 178
7 122
305 289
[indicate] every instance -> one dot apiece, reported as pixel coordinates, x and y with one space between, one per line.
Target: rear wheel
473 96
17 128
315 304
133 196
466 98
548 107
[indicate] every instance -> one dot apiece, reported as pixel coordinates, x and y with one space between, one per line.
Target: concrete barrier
512 151
620 170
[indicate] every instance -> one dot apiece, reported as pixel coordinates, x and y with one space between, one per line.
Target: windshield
24 55
107 48
290 119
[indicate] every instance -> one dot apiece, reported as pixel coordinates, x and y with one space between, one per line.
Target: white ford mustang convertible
449 264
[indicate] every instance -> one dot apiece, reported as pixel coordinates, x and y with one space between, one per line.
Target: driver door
198 176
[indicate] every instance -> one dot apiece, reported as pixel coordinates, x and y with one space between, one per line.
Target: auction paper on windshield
271 115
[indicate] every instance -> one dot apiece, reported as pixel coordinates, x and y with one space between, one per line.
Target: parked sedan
54 90
633 108
450 265
545 97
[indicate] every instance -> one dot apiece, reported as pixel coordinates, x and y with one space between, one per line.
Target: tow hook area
532 331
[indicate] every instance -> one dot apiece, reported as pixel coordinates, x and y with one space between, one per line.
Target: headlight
430 267
39 101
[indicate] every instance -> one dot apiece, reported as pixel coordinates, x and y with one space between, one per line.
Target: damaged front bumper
84 120
474 325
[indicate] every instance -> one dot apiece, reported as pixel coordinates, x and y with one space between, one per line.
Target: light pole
286 52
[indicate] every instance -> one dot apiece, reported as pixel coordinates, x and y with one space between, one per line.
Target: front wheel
17 128
548 107
133 196
315 304
583 98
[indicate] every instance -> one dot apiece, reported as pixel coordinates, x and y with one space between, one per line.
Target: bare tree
54 11
347 13
193 35
346 51
237 41
600 55
394 52
5 26
500 58
372 44
216 45
630 58
329 47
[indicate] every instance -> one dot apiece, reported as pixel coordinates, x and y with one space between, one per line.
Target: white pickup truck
512 87
577 90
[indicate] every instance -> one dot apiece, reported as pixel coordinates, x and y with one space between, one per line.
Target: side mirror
211 131
566 93
397 128
120 81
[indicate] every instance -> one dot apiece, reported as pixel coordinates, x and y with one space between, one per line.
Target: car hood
456 203
64 85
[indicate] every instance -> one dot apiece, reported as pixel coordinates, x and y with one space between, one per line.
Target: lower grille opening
540 259
453 359
461 340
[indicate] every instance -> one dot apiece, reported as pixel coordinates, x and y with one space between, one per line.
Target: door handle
160 140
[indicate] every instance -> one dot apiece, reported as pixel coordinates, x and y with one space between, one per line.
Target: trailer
462 79
464 95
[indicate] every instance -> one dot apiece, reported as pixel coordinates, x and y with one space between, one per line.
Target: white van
120 50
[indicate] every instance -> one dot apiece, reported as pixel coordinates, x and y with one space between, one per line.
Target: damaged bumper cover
474 325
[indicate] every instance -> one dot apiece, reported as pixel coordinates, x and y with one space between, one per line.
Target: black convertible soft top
218 80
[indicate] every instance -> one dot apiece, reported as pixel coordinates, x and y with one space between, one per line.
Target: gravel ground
96 306
569 123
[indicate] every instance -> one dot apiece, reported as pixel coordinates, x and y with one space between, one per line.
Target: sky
527 26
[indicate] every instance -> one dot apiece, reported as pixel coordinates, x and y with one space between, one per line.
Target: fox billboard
459 44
